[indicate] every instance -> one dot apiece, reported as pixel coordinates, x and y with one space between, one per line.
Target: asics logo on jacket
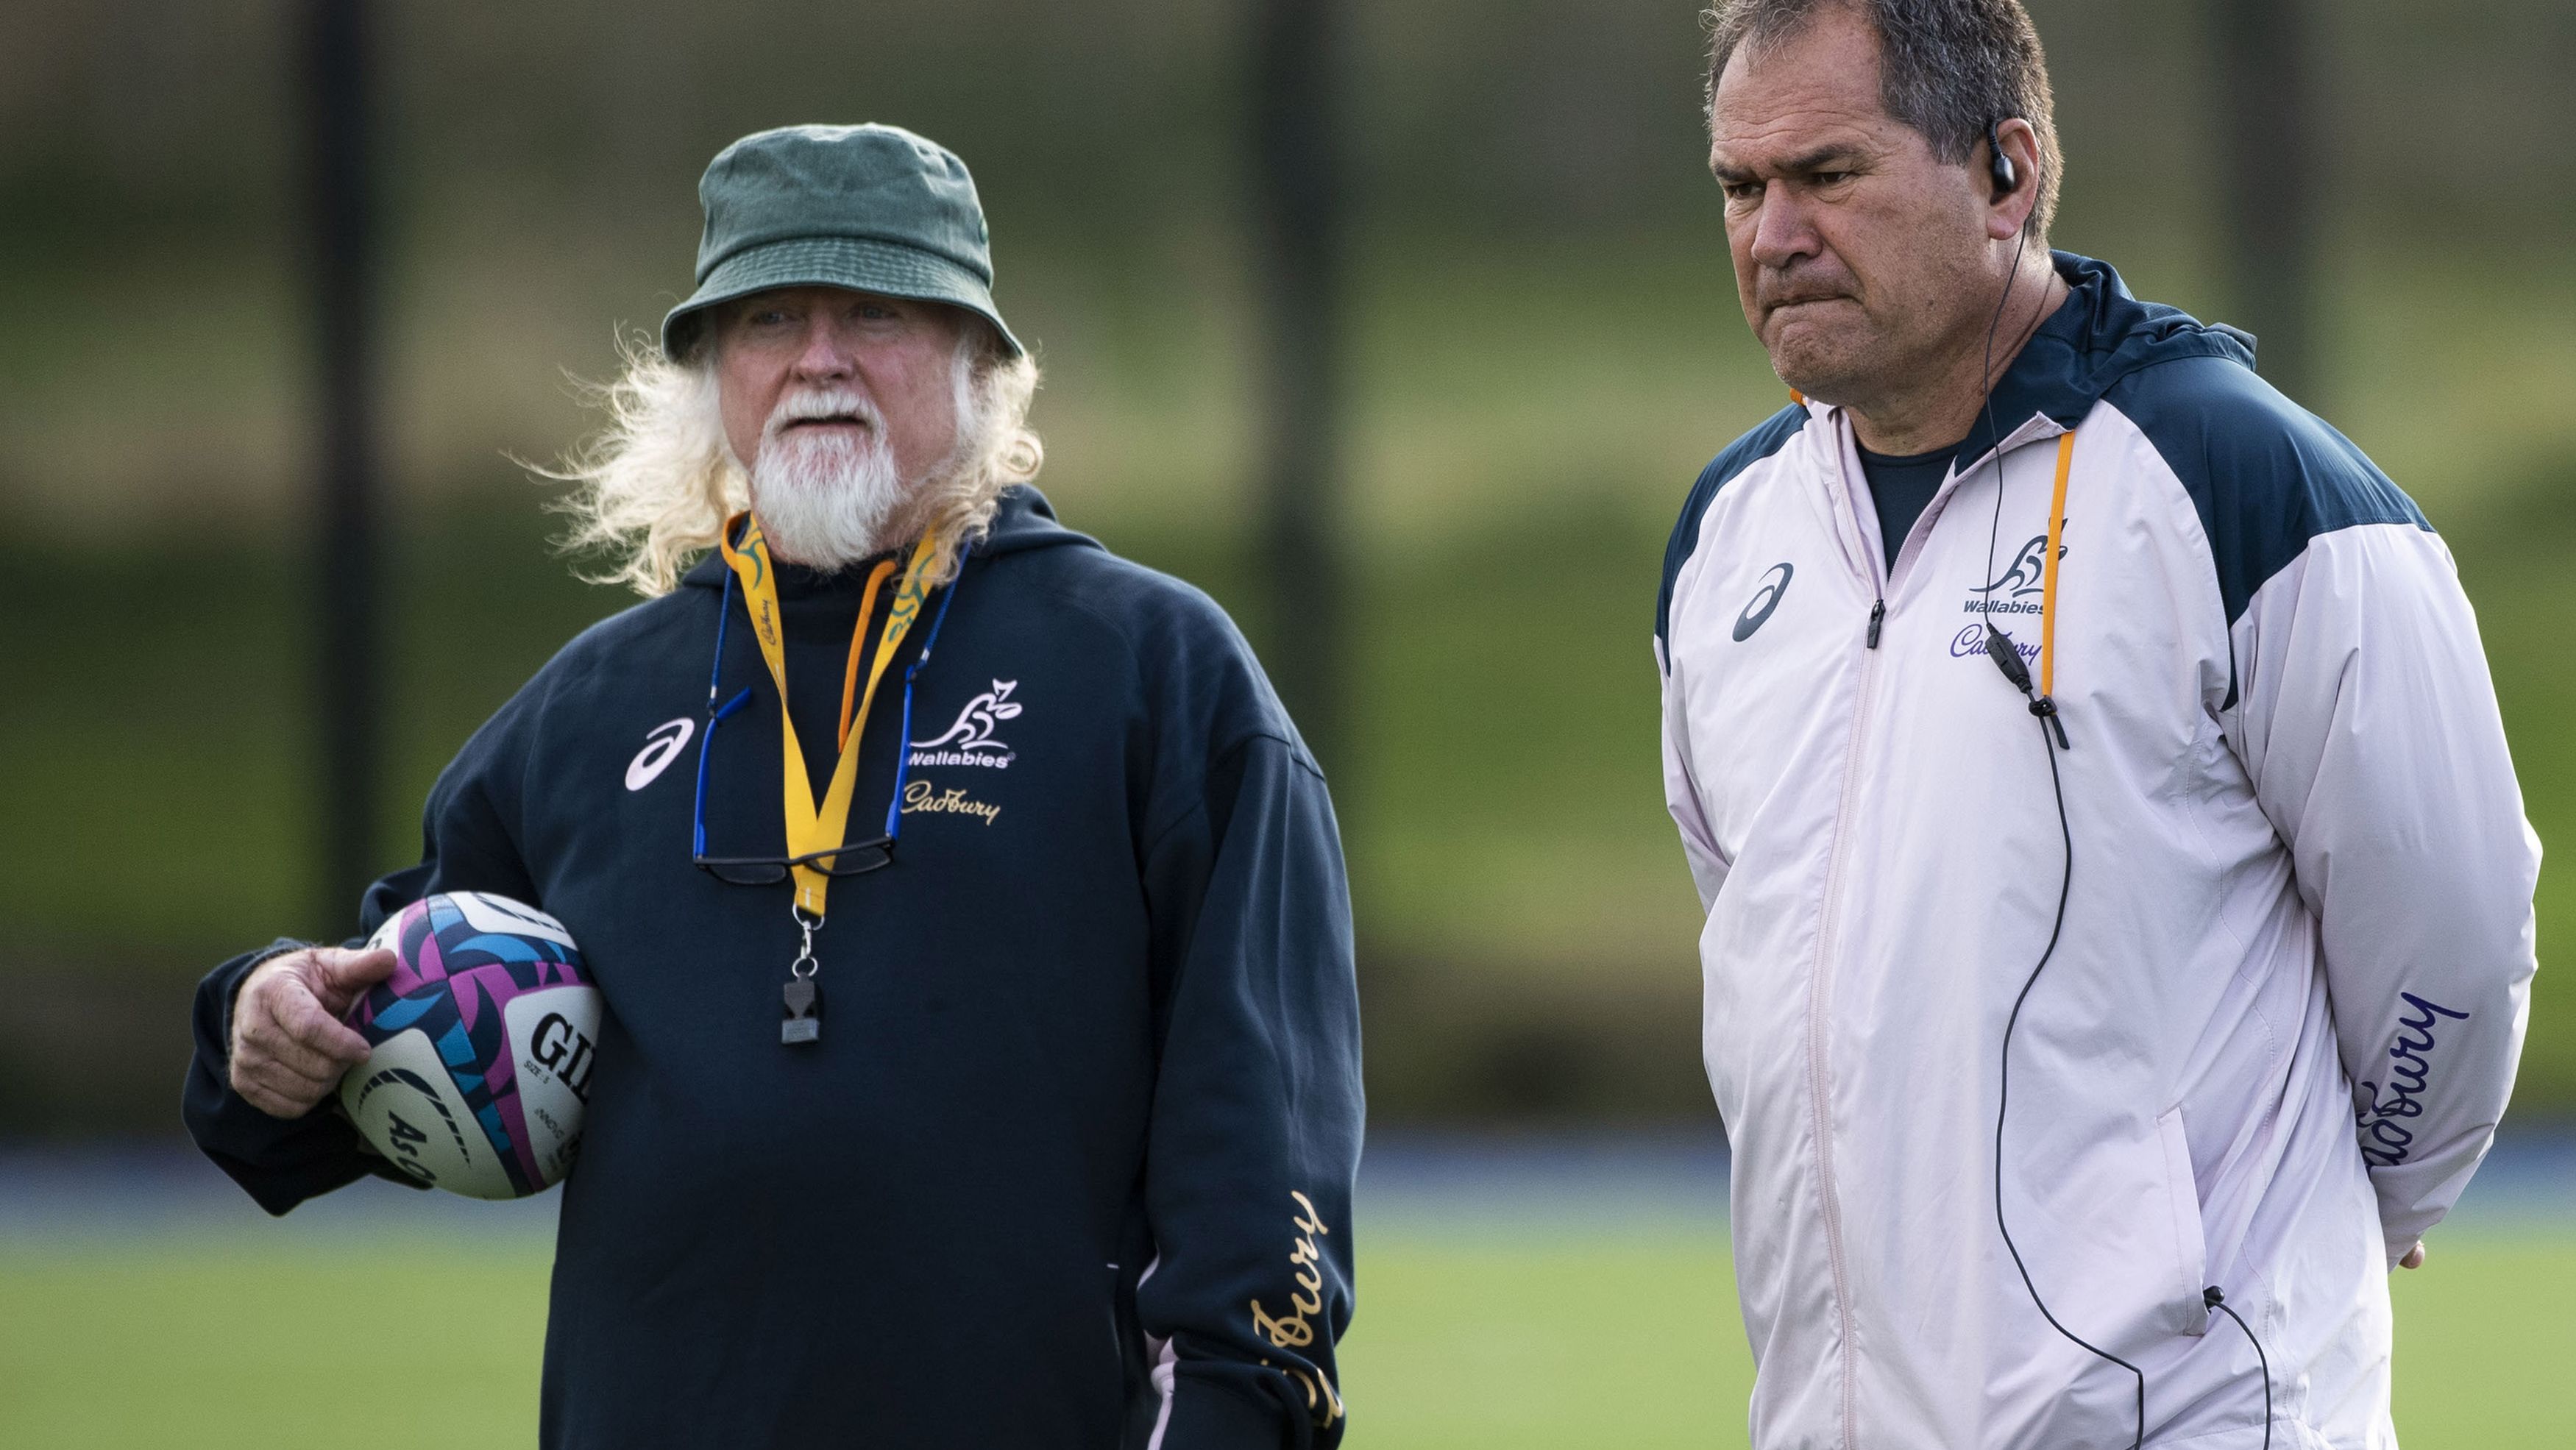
1765 599
2293 818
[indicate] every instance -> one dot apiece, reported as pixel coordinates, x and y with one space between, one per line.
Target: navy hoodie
1071 1164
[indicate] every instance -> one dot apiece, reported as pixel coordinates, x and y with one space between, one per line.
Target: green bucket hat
871 208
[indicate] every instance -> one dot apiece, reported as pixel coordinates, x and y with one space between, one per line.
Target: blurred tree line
1543 343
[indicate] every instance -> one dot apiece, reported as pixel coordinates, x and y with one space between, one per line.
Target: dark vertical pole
2271 158
1298 206
346 695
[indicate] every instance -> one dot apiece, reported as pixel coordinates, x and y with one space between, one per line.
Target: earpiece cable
2003 1096
2215 1300
2066 877
2043 706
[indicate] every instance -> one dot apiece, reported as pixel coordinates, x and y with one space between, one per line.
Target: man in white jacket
2119 898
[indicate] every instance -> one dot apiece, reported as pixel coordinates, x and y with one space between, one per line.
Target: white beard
826 499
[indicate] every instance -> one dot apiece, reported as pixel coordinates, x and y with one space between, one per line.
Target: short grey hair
1946 68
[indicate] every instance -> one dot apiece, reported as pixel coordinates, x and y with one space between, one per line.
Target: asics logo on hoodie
1765 599
661 746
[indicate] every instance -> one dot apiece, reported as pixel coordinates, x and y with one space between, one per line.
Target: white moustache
841 407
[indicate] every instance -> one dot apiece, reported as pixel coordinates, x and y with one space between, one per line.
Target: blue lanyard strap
717 713
903 741
715 668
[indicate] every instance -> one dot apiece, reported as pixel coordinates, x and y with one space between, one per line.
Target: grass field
1495 1338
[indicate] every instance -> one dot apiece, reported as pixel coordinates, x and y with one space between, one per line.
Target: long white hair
652 489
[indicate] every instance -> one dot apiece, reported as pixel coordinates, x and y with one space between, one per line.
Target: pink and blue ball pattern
451 979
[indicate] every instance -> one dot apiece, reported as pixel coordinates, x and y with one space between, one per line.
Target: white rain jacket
2283 1019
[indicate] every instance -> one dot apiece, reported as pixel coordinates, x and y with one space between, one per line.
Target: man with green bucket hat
867 208
982 979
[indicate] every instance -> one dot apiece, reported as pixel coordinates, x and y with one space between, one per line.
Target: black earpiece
1998 165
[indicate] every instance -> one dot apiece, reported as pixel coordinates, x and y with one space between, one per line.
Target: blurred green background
1543 347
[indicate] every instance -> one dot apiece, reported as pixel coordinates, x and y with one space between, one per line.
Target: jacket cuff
279 1162
1210 1415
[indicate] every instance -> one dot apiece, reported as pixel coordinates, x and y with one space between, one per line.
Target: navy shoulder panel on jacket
1768 438
2265 474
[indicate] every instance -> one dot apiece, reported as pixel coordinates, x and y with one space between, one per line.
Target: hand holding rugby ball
481 1047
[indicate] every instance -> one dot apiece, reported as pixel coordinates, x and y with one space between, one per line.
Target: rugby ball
481 1046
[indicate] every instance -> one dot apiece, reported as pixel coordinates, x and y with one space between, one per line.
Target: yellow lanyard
812 828
2048 567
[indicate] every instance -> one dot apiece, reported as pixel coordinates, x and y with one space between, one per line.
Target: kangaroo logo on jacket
1757 610
971 740
2026 575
